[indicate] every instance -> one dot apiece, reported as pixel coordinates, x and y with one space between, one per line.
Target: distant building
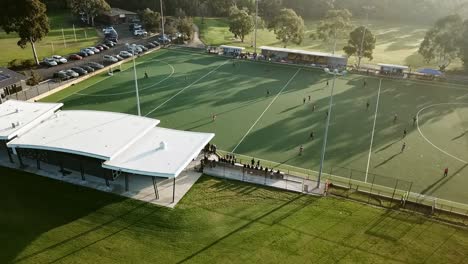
10 82
118 16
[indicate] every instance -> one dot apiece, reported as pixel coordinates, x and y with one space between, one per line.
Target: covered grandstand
311 58
102 144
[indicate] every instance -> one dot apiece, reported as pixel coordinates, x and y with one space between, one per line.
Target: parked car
95 65
88 51
143 48
75 57
83 53
155 43
72 73
87 68
62 75
110 59
107 29
100 48
109 43
140 32
164 39
118 57
59 59
79 70
95 50
136 48
49 62
125 54
104 46
150 45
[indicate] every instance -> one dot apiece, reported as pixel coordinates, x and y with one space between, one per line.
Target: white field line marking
188 86
131 92
420 132
373 131
266 109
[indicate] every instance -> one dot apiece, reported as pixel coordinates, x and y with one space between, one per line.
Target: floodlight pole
324 147
162 20
136 81
256 26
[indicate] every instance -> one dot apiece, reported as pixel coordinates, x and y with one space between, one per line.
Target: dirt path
196 42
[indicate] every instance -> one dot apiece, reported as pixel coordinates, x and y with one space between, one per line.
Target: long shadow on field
460 136
388 160
441 182
33 205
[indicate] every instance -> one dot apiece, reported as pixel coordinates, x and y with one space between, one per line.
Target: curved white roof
162 152
96 134
303 52
24 115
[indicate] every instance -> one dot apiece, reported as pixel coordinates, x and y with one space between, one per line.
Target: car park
49 62
79 70
62 75
95 65
75 57
110 59
87 68
59 59
125 54
72 73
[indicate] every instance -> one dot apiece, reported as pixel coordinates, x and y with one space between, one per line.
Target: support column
38 162
18 153
107 182
82 171
155 187
9 155
173 190
126 182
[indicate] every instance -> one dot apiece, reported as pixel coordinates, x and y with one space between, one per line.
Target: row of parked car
108 59
57 59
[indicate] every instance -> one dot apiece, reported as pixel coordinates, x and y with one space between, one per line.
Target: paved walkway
196 42
140 187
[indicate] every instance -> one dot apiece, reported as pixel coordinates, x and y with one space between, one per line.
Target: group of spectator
230 159
210 148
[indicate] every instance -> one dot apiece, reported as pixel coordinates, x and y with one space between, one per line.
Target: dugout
392 69
318 59
230 50
96 143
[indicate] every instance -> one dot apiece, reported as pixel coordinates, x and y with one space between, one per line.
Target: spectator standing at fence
252 161
213 117
258 163
445 172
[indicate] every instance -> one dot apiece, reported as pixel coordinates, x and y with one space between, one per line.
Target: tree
185 26
150 19
361 44
441 42
269 10
240 23
464 45
335 23
29 19
179 13
91 8
288 27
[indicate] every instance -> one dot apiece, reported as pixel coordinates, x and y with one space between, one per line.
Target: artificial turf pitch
185 89
218 221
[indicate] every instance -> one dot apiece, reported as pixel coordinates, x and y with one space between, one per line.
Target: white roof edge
393 66
144 173
35 122
236 47
80 153
135 139
203 144
305 52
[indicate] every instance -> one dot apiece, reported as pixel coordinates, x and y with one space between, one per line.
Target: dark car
105 46
87 68
156 43
75 57
109 43
79 70
62 75
95 65
83 54
150 46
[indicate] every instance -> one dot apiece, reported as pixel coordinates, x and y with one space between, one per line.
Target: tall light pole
256 26
367 8
136 80
162 20
335 73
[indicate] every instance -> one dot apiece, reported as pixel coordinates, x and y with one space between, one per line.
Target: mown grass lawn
397 42
53 43
218 221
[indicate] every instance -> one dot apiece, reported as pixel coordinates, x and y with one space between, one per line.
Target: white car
109 58
140 32
50 62
59 59
88 51
72 73
94 49
125 54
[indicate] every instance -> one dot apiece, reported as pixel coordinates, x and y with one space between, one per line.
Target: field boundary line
373 130
266 109
430 142
129 92
188 86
